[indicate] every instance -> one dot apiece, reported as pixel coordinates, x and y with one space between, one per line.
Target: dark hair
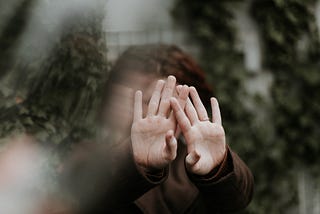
161 60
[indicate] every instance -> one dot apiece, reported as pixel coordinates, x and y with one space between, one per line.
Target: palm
205 140
148 140
208 140
153 141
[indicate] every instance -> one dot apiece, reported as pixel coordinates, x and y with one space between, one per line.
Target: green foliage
296 101
274 137
55 97
282 23
64 97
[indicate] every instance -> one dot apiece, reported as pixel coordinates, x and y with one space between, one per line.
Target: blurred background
262 58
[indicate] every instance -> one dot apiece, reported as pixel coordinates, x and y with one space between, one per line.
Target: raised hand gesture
153 142
205 139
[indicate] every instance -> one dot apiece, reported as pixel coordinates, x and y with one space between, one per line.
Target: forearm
229 187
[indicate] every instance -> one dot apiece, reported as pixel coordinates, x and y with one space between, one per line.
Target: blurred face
119 112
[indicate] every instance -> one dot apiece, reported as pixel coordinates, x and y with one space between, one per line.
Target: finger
137 108
155 98
181 117
178 88
191 160
183 93
166 95
177 132
201 110
216 115
182 96
177 91
170 149
191 112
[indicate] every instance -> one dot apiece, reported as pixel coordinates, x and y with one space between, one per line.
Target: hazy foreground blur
262 58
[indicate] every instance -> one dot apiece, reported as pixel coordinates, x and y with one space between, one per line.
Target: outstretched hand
205 139
153 142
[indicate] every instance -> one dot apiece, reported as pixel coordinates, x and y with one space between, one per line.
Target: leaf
23 110
6 91
27 121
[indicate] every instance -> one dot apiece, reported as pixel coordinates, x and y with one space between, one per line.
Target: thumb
177 132
191 160
170 148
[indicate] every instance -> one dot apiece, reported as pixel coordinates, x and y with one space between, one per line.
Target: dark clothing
230 188
227 188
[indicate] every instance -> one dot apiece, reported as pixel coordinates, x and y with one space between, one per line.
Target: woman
171 157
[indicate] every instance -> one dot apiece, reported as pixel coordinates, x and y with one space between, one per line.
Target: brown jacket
226 189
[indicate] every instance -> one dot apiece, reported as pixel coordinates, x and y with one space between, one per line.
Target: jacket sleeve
106 177
229 187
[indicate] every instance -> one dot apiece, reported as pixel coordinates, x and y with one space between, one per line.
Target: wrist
154 175
221 170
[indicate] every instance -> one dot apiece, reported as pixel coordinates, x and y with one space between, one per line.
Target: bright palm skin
148 140
205 140
153 142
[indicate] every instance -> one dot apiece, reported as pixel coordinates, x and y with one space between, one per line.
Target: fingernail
173 140
190 160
